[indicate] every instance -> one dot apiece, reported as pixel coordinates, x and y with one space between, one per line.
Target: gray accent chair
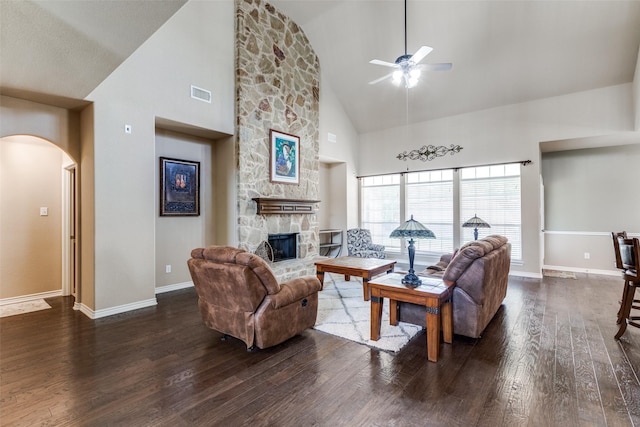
359 244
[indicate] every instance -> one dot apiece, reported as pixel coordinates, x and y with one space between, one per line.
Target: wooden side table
434 294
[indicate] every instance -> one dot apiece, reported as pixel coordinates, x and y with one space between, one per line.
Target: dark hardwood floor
548 358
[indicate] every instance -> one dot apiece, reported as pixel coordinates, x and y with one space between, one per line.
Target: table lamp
476 223
412 229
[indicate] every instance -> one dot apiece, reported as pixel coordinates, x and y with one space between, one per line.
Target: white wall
194 47
586 198
339 208
505 134
636 93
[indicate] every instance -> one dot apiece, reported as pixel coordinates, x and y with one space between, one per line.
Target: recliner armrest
294 290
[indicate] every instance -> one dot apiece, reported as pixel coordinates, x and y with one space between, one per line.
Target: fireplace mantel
285 206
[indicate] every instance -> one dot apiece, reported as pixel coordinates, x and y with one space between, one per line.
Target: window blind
493 194
429 198
380 208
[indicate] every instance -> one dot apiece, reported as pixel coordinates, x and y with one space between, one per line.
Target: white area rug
23 307
343 312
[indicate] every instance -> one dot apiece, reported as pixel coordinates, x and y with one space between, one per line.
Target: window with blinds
380 208
429 198
493 194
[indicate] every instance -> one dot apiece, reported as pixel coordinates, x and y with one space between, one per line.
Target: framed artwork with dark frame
179 187
284 159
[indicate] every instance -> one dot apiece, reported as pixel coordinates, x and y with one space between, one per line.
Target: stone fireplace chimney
277 87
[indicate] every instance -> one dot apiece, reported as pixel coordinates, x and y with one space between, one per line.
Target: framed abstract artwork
179 187
284 158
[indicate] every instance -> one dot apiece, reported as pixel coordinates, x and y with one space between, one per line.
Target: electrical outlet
44 211
167 268
587 255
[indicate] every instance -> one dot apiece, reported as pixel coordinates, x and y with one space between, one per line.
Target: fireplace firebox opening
284 245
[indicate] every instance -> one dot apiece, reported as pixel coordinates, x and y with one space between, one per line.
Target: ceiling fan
407 68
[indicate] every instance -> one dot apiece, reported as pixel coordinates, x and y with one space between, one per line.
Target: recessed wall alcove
214 152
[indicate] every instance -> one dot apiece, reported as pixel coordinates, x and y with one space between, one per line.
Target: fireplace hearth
284 245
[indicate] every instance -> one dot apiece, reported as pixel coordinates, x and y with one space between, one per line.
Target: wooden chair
616 247
616 250
630 260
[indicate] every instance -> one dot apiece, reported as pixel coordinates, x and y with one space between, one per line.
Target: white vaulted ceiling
503 52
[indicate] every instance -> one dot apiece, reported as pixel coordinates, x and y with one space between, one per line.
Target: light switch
44 211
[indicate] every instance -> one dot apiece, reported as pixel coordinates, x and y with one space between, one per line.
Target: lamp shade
412 229
476 222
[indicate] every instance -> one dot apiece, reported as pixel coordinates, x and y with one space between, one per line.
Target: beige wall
177 236
636 93
57 125
502 135
195 47
586 198
324 193
87 233
334 209
31 172
339 159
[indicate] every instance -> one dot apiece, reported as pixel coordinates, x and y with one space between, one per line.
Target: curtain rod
522 162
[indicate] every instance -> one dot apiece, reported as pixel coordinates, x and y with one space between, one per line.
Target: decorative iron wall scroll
429 152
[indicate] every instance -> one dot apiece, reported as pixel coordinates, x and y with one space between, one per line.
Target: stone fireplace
277 87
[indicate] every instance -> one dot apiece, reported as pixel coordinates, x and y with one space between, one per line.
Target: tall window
429 198
490 192
493 193
380 208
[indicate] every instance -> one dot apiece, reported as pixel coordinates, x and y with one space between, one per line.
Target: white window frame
512 228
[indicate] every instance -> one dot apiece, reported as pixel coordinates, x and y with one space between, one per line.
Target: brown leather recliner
238 295
480 273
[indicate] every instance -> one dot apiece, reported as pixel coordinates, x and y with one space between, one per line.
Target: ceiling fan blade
380 79
385 63
421 53
444 66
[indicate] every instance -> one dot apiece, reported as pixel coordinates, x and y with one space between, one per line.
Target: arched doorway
38 220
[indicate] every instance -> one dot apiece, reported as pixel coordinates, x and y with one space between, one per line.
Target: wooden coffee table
434 294
367 268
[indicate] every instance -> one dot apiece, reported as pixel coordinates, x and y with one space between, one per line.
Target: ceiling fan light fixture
407 68
410 82
397 77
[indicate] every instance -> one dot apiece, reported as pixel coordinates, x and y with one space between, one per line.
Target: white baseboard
582 270
174 287
105 312
30 297
525 274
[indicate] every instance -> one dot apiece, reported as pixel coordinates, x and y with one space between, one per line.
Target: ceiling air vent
201 94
